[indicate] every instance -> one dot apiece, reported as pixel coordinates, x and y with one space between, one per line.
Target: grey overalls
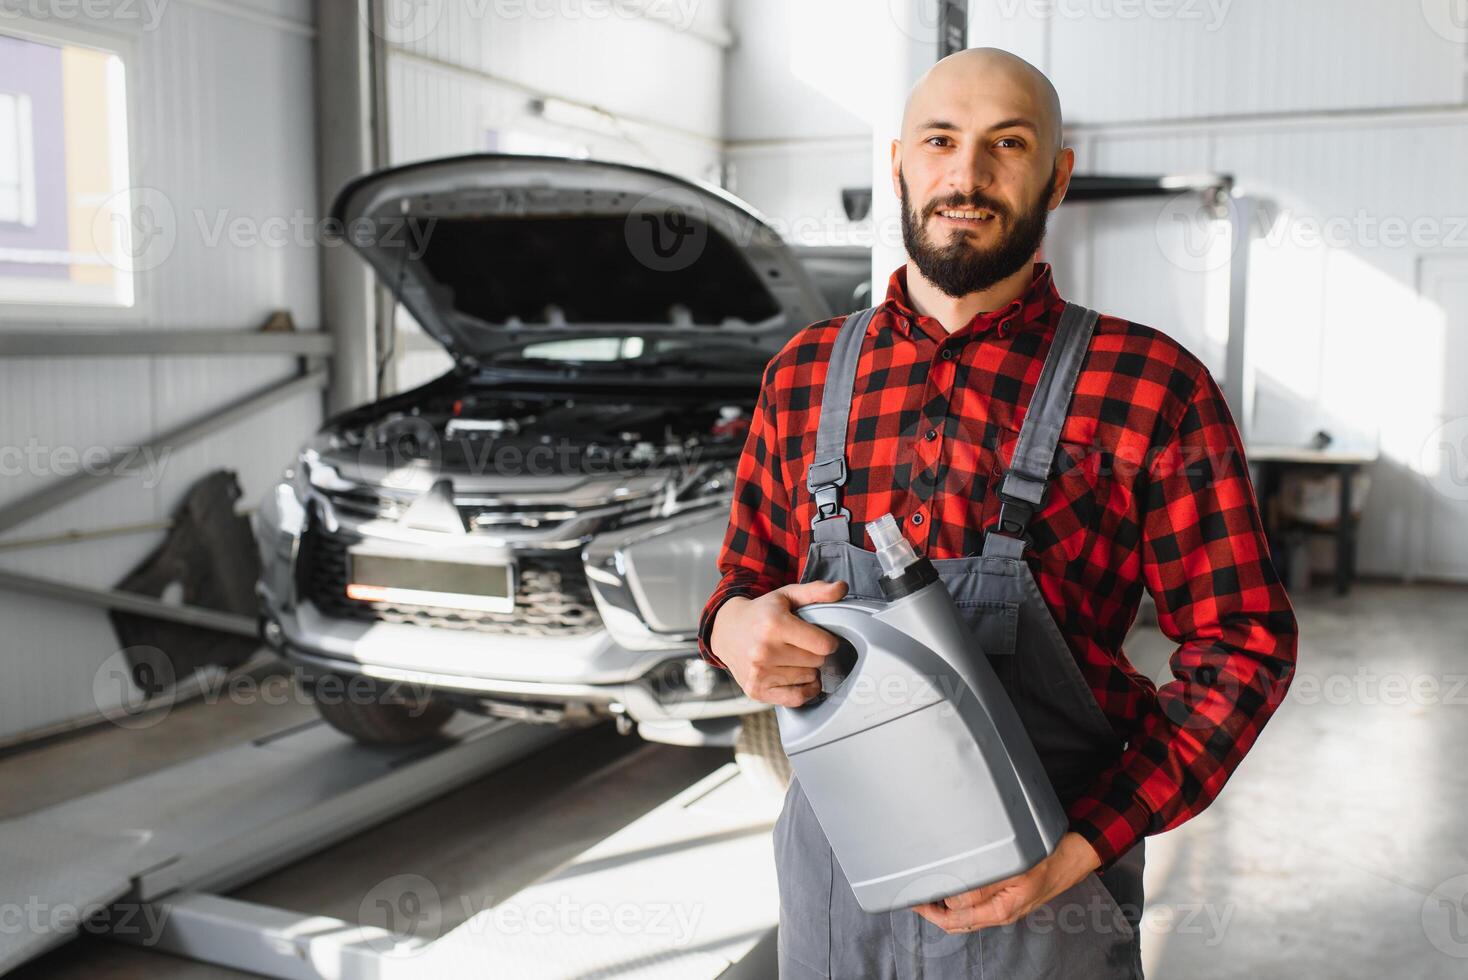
1088 932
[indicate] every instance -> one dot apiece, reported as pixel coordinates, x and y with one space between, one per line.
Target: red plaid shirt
1150 487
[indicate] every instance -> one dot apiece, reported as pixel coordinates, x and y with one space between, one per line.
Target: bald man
1056 462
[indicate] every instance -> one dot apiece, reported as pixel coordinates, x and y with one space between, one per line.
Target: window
17 161
67 224
586 349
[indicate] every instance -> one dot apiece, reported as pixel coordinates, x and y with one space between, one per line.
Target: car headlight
650 581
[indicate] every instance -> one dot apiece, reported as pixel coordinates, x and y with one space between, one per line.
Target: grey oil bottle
913 757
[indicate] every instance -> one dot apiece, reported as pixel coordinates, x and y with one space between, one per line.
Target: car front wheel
761 757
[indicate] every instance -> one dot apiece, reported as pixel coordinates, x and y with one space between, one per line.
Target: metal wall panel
1206 58
226 132
798 187
258 447
461 79
798 71
1342 336
1135 268
436 110
222 134
638 66
1389 358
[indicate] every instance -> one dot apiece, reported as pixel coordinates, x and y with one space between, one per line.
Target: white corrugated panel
664 74
798 188
437 111
1336 287
1146 262
226 131
223 139
1112 61
462 75
258 448
797 69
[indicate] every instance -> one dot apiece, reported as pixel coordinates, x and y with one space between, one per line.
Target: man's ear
1065 163
897 169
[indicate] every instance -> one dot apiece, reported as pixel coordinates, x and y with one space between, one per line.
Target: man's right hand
774 654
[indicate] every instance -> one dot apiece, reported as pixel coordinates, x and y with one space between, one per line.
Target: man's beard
960 267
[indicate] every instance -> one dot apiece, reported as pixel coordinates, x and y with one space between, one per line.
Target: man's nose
971 171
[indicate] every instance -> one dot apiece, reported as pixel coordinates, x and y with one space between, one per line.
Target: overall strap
1024 484
827 472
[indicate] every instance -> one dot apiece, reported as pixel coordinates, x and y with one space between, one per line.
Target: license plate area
374 576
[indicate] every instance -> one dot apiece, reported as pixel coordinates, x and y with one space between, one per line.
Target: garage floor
1321 859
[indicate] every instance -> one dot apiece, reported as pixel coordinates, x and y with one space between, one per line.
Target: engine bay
507 432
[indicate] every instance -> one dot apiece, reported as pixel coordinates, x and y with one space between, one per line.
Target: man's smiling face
978 169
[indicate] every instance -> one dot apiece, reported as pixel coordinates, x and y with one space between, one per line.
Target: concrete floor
476 845
1339 848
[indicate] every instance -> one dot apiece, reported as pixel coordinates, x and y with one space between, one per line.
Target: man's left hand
1010 900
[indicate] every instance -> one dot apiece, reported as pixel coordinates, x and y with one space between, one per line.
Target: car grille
366 504
552 596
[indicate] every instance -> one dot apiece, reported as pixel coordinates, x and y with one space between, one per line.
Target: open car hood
491 252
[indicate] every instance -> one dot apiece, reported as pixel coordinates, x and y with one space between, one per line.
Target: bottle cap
893 550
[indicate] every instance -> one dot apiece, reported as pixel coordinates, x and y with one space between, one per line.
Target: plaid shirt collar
1038 306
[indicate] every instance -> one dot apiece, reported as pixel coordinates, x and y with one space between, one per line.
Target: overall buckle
822 480
828 505
1014 515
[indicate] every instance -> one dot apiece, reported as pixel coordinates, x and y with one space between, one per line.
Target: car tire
761 757
383 722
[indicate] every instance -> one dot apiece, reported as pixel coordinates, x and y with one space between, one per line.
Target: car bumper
585 670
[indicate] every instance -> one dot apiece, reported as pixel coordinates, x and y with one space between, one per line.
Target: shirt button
917 518
947 353
930 435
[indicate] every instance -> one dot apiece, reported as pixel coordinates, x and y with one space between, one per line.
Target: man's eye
1014 141
938 140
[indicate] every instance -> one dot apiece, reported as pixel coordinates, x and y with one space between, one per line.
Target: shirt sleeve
759 550
1206 562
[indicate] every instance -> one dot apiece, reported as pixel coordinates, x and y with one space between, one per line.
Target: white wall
221 125
795 103
466 68
1349 119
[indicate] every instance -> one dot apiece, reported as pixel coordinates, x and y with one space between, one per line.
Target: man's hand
774 654
1012 899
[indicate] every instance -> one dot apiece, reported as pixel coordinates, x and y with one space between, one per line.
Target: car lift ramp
223 819
686 891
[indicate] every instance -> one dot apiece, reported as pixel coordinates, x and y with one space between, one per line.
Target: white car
534 533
